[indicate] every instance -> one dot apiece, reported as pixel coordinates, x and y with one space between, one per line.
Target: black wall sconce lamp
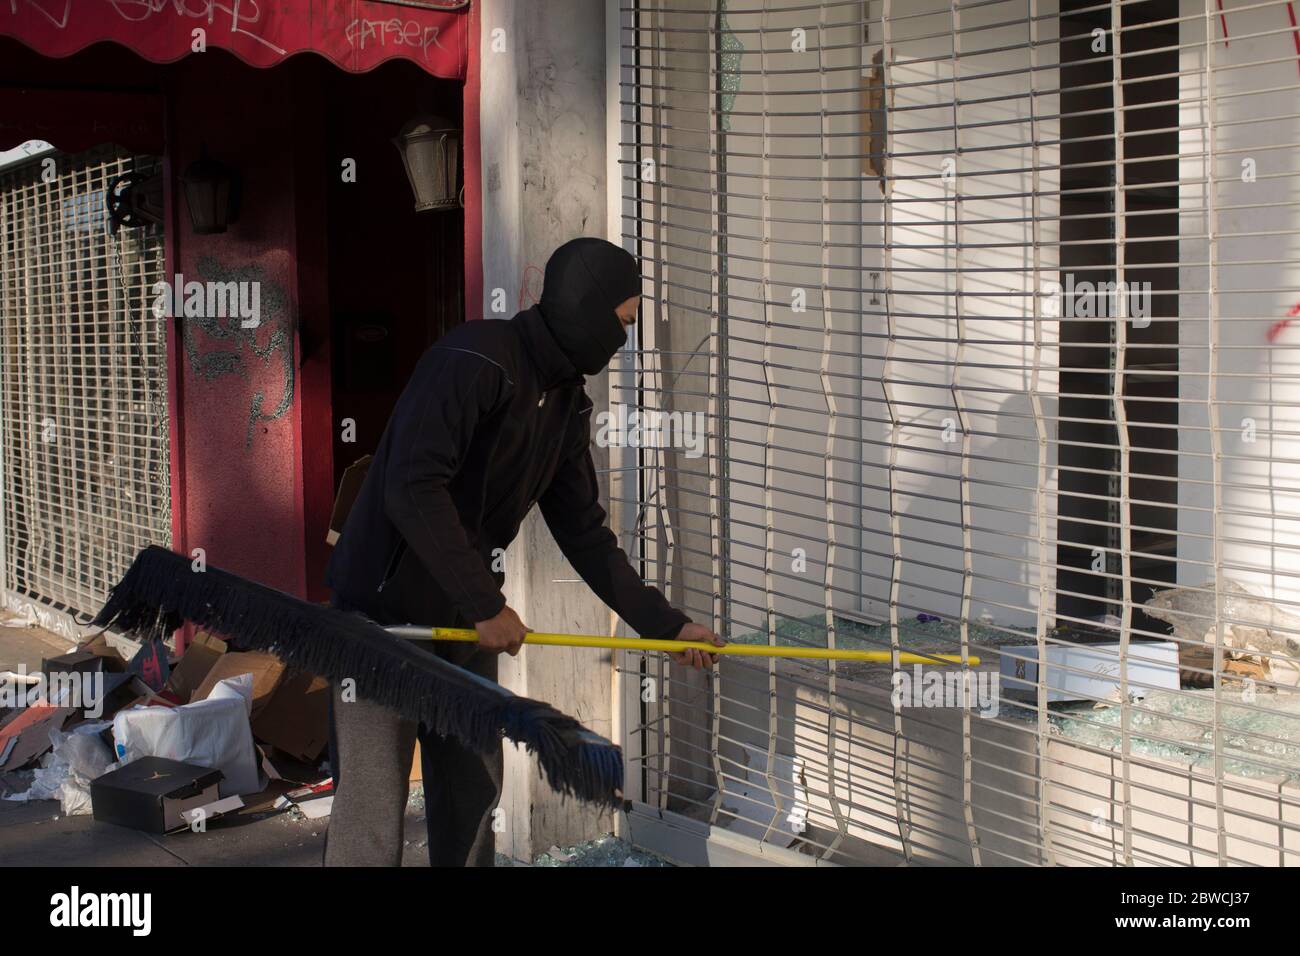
212 191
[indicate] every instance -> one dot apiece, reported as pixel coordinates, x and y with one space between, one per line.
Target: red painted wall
240 394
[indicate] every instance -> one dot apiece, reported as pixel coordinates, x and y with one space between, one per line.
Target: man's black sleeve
450 394
571 507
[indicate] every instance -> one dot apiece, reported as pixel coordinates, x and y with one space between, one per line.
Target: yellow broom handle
737 650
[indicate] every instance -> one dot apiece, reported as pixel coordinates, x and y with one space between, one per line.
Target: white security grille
84 458
983 307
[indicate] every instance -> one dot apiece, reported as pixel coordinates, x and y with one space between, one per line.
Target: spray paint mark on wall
1295 30
1290 12
527 296
271 342
1281 324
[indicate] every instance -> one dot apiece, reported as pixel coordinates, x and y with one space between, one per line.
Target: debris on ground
26 736
313 802
607 851
1253 628
1255 741
76 759
416 799
199 816
240 715
213 732
152 793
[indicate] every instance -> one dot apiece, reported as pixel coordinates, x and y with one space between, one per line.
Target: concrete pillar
544 181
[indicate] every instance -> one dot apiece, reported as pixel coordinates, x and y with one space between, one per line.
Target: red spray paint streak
1290 12
1295 33
1281 324
526 295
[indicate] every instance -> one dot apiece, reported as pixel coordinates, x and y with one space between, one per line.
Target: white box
1089 671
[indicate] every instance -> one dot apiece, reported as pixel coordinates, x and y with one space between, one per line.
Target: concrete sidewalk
25 647
37 834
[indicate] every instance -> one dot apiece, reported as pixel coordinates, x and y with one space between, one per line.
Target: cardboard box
78 678
290 712
27 735
349 487
187 676
267 671
78 662
127 690
296 718
99 646
212 811
151 793
1089 671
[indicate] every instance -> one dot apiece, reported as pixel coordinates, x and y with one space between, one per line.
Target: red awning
357 35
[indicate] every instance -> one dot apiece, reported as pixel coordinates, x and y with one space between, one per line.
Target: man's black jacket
494 420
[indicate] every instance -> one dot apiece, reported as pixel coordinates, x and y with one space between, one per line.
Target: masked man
494 420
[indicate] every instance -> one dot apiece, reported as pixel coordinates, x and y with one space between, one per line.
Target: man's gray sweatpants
373 750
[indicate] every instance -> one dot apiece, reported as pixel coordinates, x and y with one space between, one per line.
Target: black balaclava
586 279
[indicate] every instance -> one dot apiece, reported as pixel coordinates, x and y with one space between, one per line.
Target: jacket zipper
393 562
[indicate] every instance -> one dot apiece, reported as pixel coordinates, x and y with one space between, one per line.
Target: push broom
161 590
416 632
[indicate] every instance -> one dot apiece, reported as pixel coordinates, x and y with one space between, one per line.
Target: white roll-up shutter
982 312
84 456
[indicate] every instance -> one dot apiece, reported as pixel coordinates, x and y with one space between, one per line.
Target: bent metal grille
986 311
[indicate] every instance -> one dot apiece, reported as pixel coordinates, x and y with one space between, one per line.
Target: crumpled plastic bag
87 757
214 732
46 780
65 773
